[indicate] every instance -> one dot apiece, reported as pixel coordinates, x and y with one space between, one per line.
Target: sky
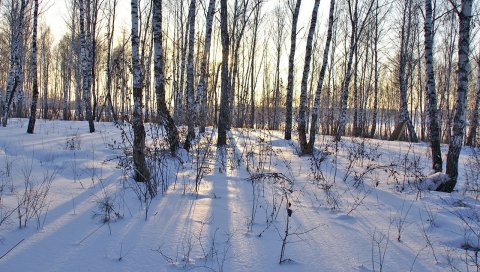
56 13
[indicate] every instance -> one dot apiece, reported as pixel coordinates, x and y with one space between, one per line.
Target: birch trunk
159 70
434 129
472 134
302 122
252 65
202 83
357 30
190 106
224 117
376 73
78 82
279 41
142 173
179 109
13 79
405 119
342 121
86 70
33 108
107 104
318 92
68 80
45 57
465 17
291 64
237 37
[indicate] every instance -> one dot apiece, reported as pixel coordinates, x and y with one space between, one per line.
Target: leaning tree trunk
142 173
434 129
190 107
302 118
159 70
33 108
318 92
86 64
13 79
465 17
202 83
291 64
472 134
223 119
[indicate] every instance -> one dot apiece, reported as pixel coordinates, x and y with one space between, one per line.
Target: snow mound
432 182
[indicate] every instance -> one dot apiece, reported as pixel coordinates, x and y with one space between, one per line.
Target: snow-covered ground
67 203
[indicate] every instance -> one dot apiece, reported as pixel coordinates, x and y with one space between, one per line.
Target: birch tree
179 97
33 108
256 23
316 104
46 41
404 59
142 173
302 118
376 39
159 70
202 83
76 51
463 69
224 117
291 67
190 106
86 63
107 104
66 73
434 129
357 30
69 64
241 16
278 38
472 134
13 79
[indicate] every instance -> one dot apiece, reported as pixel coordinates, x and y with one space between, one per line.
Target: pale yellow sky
57 12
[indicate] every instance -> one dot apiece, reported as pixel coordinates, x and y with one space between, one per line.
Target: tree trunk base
398 131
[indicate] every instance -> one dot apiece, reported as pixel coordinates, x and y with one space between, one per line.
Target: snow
359 209
433 181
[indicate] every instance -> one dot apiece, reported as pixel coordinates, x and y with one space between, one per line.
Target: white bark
142 173
202 84
291 63
357 30
459 123
224 117
159 69
13 79
86 62
434 129
33 108
302 115
318 92
190 107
